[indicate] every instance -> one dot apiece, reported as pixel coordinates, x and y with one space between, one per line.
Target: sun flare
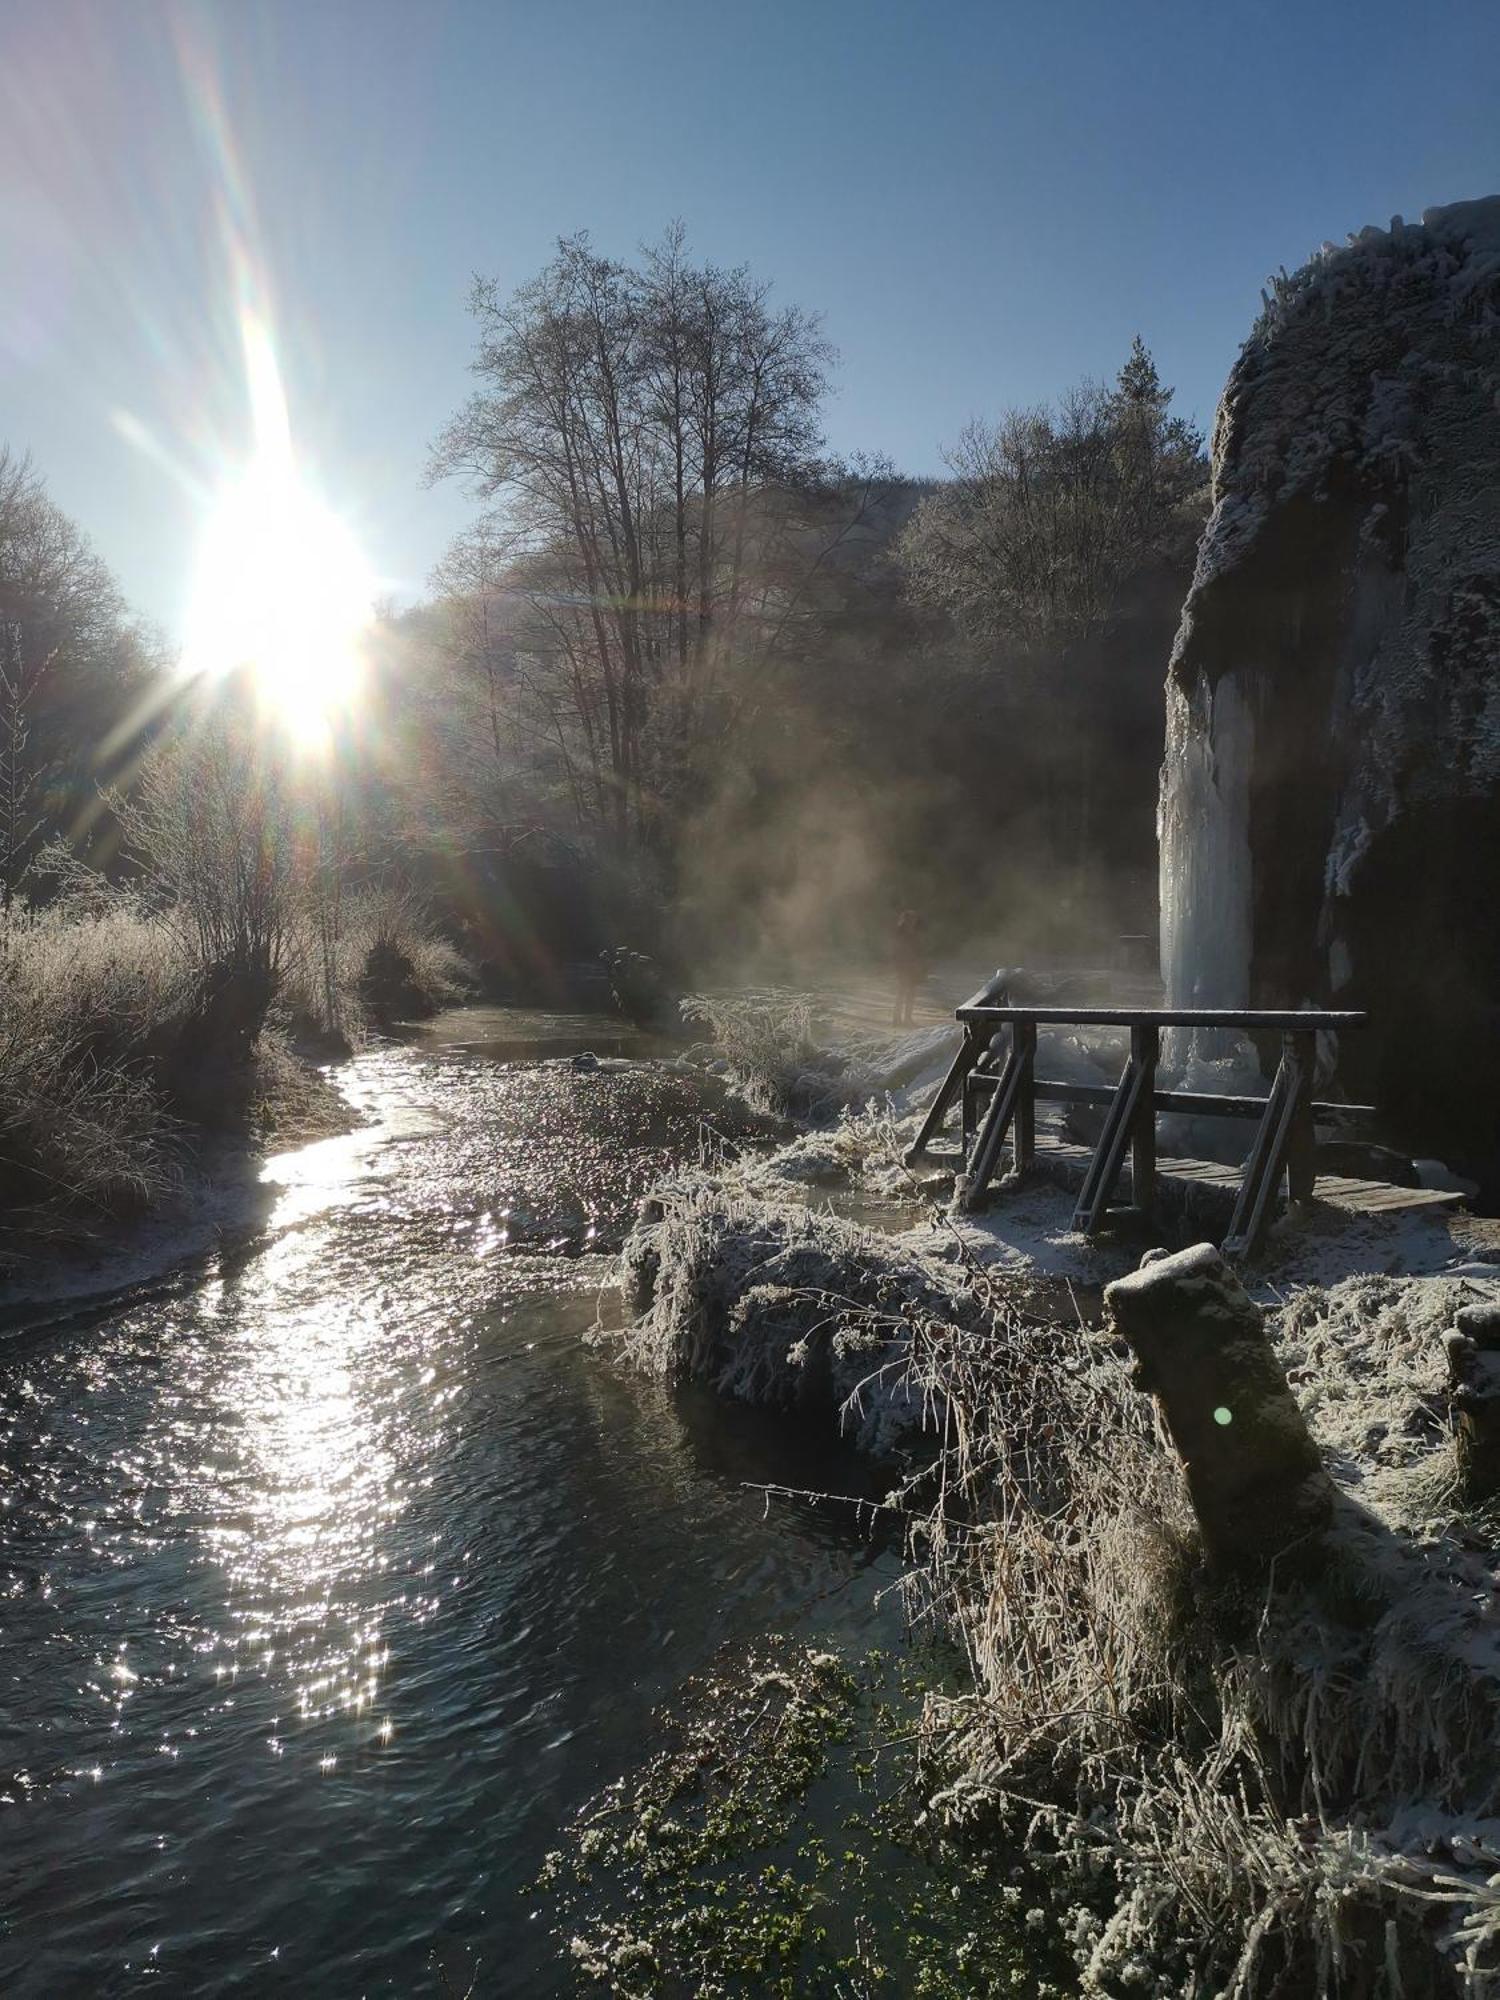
281 587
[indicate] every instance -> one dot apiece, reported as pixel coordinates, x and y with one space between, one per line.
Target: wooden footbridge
996 1069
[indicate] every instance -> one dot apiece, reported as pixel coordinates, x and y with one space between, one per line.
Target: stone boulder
1255 1477
1330 803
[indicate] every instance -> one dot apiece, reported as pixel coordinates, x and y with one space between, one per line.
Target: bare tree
70 665
630 425
21 817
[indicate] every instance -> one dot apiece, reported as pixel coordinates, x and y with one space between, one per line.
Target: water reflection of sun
306 1560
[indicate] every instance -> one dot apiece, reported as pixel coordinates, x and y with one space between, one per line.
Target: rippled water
336 1577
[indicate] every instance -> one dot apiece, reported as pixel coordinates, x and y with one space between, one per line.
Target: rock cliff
1330 802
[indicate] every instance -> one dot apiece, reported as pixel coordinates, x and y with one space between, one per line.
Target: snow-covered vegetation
132 1018
1239 1788
84 1002
766 1045
386 961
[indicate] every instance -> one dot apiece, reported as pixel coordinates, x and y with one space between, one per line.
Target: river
336 1573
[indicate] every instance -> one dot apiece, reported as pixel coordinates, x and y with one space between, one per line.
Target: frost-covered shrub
373 956
766 1042
91 1008
400 964
777 1305
862 1149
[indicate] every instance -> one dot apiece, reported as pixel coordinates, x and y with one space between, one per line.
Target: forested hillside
690 682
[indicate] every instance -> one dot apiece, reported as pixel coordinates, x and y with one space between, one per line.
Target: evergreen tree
1160 462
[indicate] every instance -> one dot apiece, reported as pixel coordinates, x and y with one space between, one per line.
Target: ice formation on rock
1330 805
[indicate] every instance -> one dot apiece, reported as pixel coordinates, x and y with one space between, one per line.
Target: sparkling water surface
333 1579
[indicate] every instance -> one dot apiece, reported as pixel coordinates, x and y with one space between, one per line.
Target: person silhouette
910 964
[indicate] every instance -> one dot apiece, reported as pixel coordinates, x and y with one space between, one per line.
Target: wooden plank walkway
1193 1185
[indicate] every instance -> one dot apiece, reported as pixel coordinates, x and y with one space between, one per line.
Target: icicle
1205 846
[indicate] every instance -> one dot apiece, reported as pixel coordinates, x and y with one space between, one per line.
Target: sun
281 588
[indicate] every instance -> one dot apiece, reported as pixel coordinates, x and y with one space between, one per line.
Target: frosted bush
328 982
767 1043
86 1001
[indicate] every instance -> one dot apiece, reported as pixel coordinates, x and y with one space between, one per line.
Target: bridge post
1013 1098
952 1086
975 1041
1301 1167
1145 1052
1023 1141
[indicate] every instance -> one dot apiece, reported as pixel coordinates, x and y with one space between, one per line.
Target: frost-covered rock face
1330 808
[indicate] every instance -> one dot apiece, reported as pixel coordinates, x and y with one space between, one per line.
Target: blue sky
984 201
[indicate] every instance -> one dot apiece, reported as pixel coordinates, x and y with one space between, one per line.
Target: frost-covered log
1474 1375
1330 806
1255 1477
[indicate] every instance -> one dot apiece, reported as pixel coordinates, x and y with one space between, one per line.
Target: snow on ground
1366 1361
224 1200
1029 1230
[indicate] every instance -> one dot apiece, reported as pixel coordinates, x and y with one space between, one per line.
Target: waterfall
1204 833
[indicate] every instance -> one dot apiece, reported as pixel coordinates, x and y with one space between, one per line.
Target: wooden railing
1283 1143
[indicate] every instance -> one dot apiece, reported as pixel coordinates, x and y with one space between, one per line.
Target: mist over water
335 1581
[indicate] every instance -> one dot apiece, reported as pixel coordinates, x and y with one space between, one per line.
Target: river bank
1292 1787
149 1047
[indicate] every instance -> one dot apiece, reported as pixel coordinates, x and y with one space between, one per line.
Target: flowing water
336 1573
